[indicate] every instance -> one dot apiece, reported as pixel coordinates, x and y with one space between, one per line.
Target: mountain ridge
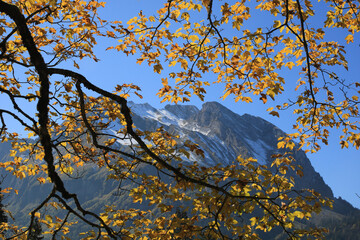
221 133
246 135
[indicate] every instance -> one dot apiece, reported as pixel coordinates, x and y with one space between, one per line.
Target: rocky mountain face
222 135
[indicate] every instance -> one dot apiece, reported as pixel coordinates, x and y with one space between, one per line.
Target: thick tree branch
129 127
43 113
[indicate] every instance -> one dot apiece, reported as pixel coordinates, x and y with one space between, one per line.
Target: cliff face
222 134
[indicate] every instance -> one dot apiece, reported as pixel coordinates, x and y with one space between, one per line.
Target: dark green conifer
3 217
35 232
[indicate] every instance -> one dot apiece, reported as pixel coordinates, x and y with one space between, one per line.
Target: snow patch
122 138
167 118
194 127
162 116
259 150
143 110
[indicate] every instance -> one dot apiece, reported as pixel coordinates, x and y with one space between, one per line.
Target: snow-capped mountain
224 135
220 133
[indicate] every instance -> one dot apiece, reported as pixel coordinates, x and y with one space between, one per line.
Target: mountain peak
214 106
212 103
182 111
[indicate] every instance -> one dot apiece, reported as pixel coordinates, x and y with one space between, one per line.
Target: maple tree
68 128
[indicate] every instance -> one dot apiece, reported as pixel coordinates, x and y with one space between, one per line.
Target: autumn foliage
42 43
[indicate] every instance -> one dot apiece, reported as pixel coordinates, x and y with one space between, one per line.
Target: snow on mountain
223 135
146 111
171 115
123 140
259 149
206 128
220 133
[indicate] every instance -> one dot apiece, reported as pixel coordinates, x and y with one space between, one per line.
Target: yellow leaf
254 221
274 113
290 65
76 65
158 68
349 38
344 144
290 145
172 63
41 180
281 144
48 218
277 24
193 38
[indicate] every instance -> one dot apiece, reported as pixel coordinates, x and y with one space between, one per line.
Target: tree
3 217
39 37
35 232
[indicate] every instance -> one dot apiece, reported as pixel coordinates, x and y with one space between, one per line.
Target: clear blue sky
339 167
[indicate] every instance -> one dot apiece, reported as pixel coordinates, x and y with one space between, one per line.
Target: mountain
222 135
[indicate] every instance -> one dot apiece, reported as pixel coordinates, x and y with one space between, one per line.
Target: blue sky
339 167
